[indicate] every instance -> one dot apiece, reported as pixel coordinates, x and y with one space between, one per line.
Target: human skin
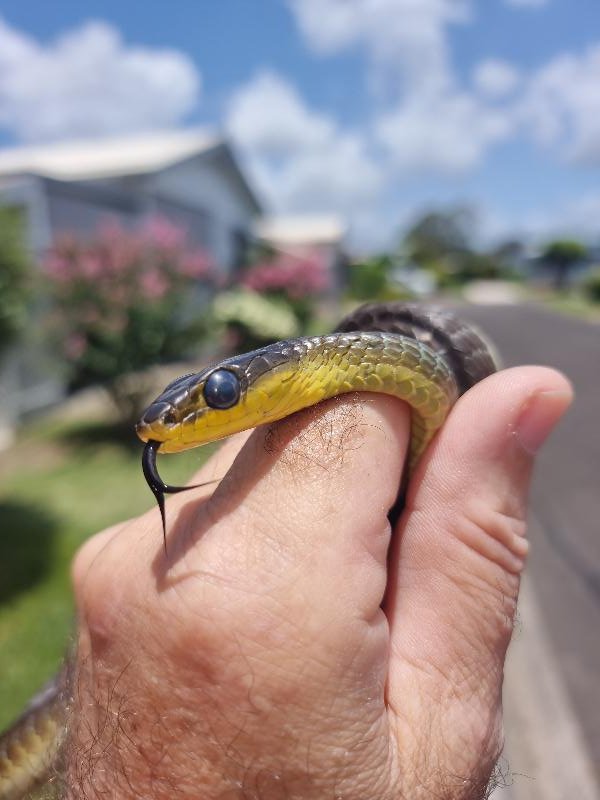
291 645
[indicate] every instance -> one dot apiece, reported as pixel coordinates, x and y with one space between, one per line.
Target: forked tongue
158 488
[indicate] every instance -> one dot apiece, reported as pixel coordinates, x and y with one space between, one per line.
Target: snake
425 356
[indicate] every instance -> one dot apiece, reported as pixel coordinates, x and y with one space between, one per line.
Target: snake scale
422 355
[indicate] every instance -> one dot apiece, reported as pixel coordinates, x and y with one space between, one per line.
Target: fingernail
539 416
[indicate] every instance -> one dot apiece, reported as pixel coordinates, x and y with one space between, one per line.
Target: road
557 650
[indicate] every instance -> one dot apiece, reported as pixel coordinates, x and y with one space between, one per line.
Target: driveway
552 692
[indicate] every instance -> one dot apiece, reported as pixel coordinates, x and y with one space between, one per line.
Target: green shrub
562 256
253 320
591 285
295 280
124 301
15 276
274 298
371 279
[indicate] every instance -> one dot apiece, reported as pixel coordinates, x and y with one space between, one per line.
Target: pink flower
164 234
100 282
117 248
91 265
58 267
197 264
297 275
154 284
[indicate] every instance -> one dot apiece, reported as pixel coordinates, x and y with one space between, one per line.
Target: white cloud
430 124
301 159
495 78
339 175
89 82
269 116
446 133
304 161
433 123
405 40
561 106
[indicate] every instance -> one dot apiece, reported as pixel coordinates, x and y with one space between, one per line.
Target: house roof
104 158
301 230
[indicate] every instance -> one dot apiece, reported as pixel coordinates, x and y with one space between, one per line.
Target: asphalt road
564 566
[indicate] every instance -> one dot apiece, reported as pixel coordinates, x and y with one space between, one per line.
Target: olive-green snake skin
424 356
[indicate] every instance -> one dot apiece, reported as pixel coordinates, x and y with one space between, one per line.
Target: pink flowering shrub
299 277
119 301
294 279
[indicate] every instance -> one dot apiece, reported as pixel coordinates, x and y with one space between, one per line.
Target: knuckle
493 534
484 555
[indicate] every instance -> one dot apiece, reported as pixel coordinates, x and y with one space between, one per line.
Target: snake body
424 356
30 747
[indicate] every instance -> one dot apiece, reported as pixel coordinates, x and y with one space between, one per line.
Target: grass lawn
59 484
574 303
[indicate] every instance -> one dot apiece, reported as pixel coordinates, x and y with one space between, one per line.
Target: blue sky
371 109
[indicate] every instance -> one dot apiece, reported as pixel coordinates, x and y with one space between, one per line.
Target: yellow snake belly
29 749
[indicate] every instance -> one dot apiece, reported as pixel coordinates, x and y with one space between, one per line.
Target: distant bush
14 276
123 301
442 241
252 319
274 298
369 279
296 280
562 256
456 270
591 285
372 279
294 277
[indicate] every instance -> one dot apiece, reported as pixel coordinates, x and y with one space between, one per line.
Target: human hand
285 649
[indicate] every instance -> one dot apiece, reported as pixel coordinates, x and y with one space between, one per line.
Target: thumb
456 562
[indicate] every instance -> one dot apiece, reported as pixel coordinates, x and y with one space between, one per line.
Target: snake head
198 408
195 409
176 419
238 393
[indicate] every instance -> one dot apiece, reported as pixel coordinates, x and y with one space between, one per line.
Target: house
190 176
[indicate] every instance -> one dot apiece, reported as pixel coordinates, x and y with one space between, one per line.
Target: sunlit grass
573 303
59 484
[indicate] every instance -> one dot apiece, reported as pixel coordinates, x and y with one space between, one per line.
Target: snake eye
169 418
222 389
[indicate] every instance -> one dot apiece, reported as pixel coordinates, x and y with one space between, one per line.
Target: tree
591 285
441 242
438 234
14 276
510 252
562 255
369 278
124 301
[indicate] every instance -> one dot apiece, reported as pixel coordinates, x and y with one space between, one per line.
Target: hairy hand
292 645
